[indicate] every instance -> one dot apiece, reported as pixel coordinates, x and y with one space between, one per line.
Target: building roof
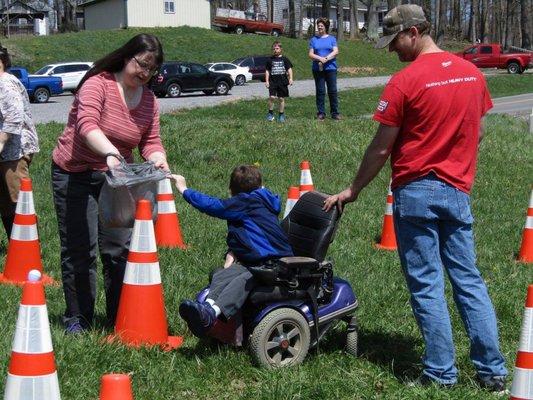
32 6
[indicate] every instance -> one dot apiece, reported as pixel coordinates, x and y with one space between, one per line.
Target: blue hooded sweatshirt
254 233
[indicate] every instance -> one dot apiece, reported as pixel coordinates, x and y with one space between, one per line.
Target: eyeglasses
146 67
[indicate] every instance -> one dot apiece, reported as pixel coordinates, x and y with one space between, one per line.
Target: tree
326 6
373 23
340 20
526 23
292 19
354 24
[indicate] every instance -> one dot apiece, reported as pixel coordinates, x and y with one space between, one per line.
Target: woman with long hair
113 113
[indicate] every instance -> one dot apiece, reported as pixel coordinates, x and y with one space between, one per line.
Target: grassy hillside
358 58
204 145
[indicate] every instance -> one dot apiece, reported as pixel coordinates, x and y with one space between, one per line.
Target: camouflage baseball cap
398 19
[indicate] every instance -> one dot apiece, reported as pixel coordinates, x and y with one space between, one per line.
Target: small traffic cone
32 370
306 181
526 249
116 387
522 388
292 198
388 237
24 250
141 317
167 226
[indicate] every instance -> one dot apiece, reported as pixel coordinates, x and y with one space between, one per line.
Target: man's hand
290 81
112 161
159 161
267 84
180 182
340 199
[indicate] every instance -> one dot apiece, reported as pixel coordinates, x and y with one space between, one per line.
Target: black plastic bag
123 187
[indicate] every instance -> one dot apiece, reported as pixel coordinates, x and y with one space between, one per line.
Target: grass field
193 44
204 145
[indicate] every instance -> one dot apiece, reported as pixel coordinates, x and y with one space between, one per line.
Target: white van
71 73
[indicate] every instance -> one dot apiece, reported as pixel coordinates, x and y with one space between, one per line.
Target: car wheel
41 95
239 30
208 92
514 68
174 90
222 88
281 339
240 80
275 33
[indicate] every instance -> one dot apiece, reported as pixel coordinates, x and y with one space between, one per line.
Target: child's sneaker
200 317
270 117
281 118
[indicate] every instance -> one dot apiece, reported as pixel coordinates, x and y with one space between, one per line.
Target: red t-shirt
438 102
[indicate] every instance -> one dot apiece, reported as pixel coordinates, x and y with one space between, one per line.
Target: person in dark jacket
254 237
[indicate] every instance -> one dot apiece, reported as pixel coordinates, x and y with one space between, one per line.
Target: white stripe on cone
288 206
44 387
529 222
166 207
26 233
25 203
305 178
32 333
142 274
526 336
143 237
164 186
522 384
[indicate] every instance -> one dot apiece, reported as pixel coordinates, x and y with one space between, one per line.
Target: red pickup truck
492 56
241 21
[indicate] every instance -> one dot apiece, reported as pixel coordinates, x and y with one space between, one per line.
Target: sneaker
200 317
336 117
495 384
270 117
74 328
321 117
281 118
424 380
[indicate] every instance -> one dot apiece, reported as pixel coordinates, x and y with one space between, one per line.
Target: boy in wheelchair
254 238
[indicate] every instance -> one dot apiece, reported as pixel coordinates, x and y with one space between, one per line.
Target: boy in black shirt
278 77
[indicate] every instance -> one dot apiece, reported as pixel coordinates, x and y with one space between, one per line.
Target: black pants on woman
76 202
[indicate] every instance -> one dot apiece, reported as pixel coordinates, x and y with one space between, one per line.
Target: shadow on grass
393 351
100 323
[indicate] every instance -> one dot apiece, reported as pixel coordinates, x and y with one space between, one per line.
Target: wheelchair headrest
309 228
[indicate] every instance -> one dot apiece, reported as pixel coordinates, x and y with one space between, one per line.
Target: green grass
193 44
204 145
508 85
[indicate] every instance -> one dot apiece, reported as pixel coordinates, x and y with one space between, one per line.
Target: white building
112 14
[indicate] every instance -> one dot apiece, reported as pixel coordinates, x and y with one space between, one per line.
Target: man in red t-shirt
430 116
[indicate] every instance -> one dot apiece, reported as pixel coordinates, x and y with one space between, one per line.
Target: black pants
230 288
76 203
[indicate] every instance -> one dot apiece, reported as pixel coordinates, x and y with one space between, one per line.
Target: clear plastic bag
123 187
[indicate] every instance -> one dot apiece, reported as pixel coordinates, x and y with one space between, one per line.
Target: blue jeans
433 224
329 78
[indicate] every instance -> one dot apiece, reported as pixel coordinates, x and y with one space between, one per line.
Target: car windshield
238 60
209 65
43 70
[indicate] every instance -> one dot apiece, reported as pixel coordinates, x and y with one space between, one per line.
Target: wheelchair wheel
281 339
352 337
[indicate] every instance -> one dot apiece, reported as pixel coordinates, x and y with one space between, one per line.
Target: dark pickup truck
492 56
39 88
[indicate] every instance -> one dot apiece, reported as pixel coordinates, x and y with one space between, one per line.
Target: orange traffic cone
167 226
522 388
388 237
292 198
116 387
32 370
526 249
24 250
306 181
141 318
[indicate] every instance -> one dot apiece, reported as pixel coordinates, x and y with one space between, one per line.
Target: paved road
58 107
520 104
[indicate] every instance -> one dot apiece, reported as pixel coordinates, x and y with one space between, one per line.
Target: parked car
241 21
177 77
256 65
492 56
71 73
240 75
39 88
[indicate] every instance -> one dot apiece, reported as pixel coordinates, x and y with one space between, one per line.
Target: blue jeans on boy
433 224
329 79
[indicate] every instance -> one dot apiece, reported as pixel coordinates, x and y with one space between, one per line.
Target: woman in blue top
323 51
